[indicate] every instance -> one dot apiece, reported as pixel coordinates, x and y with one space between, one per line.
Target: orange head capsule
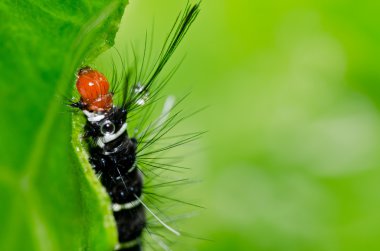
93 88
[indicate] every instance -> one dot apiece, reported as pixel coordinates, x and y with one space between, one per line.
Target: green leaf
48 201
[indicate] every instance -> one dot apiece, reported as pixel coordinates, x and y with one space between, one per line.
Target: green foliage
291 160
47 202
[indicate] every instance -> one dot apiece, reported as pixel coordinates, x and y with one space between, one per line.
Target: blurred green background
290 160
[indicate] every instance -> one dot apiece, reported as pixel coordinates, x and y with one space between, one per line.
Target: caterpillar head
93 88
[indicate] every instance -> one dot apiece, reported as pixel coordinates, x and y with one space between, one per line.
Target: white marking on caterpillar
93 117
133 167
118 207
100 143
110 137
128 244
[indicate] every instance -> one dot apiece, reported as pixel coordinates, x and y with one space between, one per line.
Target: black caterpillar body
113 153
115 163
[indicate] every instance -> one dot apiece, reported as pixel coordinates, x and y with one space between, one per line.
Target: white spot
140 101
139 88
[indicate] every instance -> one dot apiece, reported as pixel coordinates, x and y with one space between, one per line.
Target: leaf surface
48 200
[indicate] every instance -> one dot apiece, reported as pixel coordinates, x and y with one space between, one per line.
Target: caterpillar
113 150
